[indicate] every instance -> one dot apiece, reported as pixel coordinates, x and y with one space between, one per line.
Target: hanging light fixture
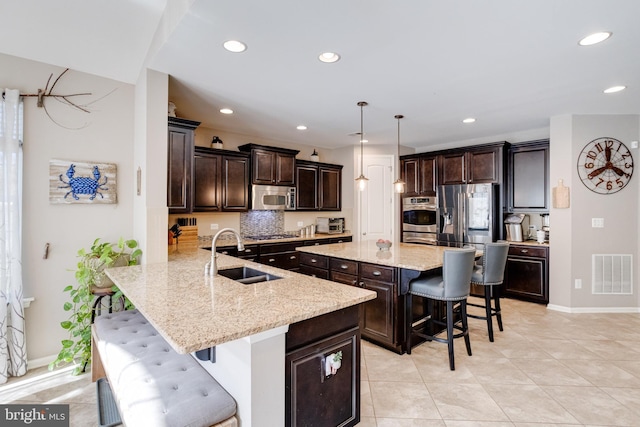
399 184
362 180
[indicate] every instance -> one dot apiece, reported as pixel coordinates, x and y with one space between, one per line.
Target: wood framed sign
72 182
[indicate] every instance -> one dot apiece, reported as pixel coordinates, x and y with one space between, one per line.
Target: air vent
612 274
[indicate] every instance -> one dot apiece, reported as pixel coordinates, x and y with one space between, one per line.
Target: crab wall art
81 182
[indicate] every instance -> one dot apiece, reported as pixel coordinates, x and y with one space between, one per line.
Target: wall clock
605 165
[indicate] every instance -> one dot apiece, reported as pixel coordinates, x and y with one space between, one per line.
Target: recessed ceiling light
614 89
226 111
234 46
301 127
595 38
469 120
329 57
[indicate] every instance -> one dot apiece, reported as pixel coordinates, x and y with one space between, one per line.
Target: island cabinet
271 165
220 181
527 273
420 174
280 255
528 177
322 371
180 145
318 186
473 165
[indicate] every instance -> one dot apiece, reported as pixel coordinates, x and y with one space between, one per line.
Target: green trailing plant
90 274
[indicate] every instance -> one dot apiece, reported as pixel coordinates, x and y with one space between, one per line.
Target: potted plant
89 275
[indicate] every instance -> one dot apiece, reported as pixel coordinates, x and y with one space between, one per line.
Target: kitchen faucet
211 269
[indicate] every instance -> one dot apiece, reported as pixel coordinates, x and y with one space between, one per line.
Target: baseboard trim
577 310
40 362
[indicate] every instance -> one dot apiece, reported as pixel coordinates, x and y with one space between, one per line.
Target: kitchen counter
530 243
228 240
194 312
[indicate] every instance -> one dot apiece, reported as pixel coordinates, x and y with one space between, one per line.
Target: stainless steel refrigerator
468 214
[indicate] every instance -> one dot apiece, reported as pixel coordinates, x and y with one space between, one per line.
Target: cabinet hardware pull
376 273
361 284
354 282
247 250
339 241
271 259
524 251
344 266
292 257
314 260
316 244
225 253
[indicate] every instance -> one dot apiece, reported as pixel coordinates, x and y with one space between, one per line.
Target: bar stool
100 293
490 275
453 287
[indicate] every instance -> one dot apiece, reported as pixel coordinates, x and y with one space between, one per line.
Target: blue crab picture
83 184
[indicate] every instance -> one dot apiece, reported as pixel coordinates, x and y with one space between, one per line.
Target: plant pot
101 279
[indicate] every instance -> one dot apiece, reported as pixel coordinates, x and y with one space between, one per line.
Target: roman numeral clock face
605 165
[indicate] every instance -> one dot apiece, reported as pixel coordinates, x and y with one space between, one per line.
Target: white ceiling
511 64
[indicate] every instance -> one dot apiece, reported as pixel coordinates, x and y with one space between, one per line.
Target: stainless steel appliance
468 214
517 227
329 225
270 197
420 220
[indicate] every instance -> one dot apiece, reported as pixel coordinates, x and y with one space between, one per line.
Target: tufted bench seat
152 384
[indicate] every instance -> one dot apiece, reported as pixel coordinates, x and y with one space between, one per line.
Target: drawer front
377 272
285 260
532 251
249 251
318 261
314 272
346 279
272 248
344 266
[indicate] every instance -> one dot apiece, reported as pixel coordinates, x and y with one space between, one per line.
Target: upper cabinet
473 165
271 165
420 174
318 186
528 177
220 181
180 157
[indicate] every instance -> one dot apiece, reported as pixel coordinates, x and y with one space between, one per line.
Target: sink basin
247 275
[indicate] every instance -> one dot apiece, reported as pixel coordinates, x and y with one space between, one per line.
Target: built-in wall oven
420 220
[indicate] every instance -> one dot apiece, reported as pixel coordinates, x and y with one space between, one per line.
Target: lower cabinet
527 273
280 255
322 383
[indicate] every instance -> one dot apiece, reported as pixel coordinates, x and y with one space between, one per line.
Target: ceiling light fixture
329 57
469 120
301 127
399 184
226 111
234 46
595 38
362 180
614 89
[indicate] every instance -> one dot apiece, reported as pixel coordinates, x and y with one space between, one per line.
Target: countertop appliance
329 225
420 220
468 214
271 197
517 227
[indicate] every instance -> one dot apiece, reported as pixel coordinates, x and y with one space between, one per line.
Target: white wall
106 135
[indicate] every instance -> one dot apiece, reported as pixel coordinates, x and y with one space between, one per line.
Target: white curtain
13 349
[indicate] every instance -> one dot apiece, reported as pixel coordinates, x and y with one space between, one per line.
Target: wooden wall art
72 182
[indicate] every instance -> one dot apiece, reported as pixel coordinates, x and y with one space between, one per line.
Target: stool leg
110 303
450 334
408 328
96 308
487 306
496 297
465 325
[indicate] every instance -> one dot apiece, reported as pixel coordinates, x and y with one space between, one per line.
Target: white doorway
377 203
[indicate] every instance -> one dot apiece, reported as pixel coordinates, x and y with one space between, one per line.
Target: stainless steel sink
247 275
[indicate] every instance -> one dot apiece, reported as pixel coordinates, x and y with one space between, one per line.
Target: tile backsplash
256 223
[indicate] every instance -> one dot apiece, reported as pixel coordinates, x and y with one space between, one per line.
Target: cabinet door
285 169
377 315
428 181
330 195
410 173
306 187
235 184
206 183
526 278
180 154
317 396
528 181
263 167
453 168
483 167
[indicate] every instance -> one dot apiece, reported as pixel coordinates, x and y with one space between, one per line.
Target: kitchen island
247 324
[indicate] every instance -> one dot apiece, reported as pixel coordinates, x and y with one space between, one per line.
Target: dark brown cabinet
528 177
318 186
379 315
271 165
527 273
474 165
220 181
420 174
180 142
280 255
322 371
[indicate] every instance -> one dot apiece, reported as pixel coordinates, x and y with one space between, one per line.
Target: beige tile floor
546 369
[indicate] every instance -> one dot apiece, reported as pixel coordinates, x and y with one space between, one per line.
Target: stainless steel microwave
271 197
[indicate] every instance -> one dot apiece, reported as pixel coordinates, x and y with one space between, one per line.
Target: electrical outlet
597 222
214 226
300 223
578 284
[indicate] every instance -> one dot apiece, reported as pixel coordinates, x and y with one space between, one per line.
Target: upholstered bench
151 383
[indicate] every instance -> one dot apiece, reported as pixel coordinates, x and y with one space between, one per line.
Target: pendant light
399 184
361 180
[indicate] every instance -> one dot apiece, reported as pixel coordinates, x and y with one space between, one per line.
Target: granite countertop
404 255
531 243
194 312
227 240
